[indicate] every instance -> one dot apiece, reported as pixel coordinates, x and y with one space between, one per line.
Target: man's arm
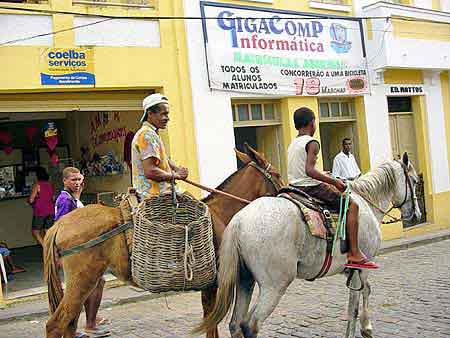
312 150
154 173
179 170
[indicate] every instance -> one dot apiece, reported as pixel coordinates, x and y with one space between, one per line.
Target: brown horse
84 269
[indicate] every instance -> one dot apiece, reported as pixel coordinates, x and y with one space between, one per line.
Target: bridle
267 175
408 185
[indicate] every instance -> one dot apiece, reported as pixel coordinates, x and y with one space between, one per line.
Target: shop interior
98 143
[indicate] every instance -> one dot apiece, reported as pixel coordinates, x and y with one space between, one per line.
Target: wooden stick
217 191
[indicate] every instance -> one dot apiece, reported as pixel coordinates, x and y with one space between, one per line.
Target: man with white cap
152 170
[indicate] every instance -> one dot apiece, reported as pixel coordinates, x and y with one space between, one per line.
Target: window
255 113
336 110
243 114
400 104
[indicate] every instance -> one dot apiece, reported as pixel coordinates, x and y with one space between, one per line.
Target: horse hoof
247 331
367 333
235 331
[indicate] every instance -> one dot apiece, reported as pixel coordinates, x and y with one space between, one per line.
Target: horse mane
222 186
378 183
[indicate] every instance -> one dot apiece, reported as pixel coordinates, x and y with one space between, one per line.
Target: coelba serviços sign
277 52
67 66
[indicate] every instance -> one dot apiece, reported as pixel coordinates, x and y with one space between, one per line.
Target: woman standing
41 199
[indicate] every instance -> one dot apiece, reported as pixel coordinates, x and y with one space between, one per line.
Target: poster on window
269 51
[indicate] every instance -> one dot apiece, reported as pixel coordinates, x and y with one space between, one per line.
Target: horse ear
242 156
257 157
405 159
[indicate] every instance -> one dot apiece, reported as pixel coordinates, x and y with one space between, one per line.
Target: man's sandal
102 321
81 335
97 333
362 264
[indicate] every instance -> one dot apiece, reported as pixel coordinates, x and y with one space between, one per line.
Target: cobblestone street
410 298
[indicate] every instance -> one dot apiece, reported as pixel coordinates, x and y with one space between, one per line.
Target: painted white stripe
377 124
436 132
212 109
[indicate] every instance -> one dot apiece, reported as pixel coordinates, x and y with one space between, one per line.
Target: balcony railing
117 3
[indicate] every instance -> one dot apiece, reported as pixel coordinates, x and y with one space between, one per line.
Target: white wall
212 109
424 3
387 50
15 26
116 32
377 124
445 6
436 132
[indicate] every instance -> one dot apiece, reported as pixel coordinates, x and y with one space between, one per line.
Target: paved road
410 299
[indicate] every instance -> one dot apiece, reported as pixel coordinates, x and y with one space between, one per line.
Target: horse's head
258 174
405 195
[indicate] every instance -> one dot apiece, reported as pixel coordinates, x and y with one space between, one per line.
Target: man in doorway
152 170
344 164
68 200
303 174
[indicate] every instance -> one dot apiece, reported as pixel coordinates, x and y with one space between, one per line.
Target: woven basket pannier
173 246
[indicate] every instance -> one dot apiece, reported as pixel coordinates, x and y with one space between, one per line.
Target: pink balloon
51 141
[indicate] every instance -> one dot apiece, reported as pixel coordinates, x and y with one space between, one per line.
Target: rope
189 259
342 220
385 213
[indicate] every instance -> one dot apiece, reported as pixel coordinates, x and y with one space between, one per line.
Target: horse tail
229 263
55 291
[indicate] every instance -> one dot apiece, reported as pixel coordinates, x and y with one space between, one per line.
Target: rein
264 171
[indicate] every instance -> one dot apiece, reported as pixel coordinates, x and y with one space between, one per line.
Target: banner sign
67 66
269 51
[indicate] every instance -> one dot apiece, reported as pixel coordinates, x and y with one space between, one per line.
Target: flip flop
81 335
102 321
17 269
362 264
97 333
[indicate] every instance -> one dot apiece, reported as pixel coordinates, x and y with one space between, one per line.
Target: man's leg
354 254
92 304
36 228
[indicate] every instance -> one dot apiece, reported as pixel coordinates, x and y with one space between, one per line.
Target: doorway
258 123
337 121
403 139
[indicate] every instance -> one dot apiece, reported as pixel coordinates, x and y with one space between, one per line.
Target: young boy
303 174
68 200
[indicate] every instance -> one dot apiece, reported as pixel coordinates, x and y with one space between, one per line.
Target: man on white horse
303 174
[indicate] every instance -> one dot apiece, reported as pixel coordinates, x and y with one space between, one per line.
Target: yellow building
119 51
122 54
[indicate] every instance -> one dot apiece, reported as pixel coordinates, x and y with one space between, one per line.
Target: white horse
269 243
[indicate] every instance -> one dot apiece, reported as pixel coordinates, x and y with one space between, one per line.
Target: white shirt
345 166
297 162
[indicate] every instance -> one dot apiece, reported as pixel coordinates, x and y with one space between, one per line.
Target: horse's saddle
320 219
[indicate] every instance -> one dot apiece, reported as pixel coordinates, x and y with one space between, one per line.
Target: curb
404 244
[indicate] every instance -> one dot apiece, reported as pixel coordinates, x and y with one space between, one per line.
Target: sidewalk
117 293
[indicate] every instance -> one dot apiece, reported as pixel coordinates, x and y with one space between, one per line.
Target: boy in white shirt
303 174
